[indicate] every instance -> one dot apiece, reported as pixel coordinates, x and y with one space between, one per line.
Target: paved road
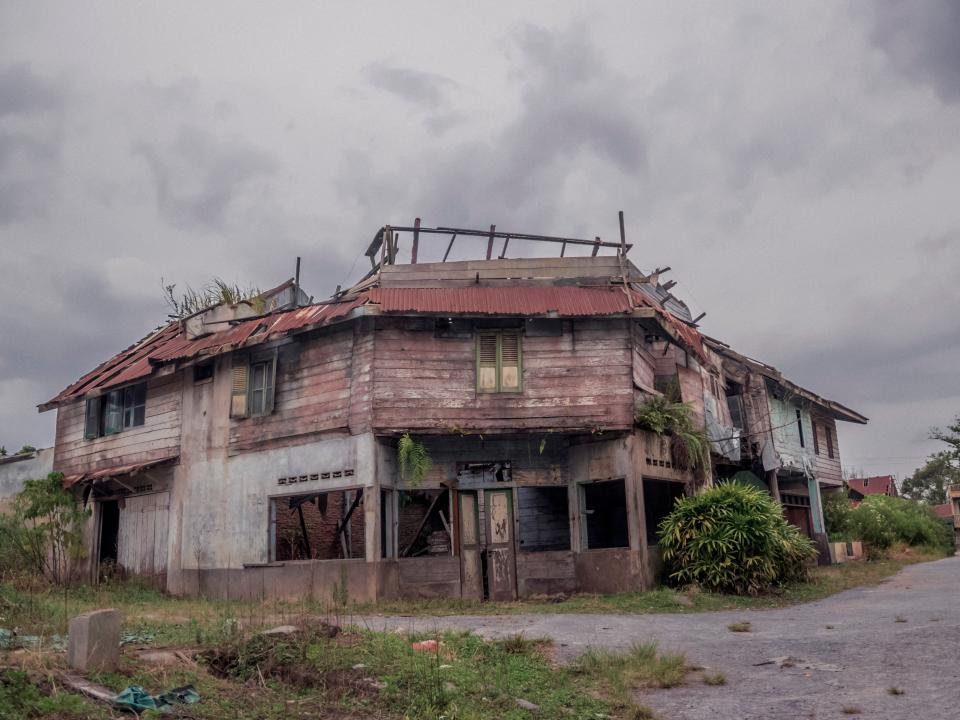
852 663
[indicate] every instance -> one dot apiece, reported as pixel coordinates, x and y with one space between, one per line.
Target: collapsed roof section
830 407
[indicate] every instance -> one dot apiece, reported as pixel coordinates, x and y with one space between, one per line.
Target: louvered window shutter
91 428
487 362
239 382
509 362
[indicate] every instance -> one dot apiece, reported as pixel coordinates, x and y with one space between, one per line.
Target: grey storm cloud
922 38
413 86
794 164
30 141
197 176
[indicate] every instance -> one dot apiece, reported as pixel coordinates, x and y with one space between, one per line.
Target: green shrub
689 445
882 521
836 515
732 538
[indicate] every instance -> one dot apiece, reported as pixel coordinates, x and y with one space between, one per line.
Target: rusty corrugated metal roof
529 300
93 476
171 344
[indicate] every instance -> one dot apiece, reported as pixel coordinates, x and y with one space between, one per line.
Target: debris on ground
527 705
12 640
787 661
425 646
137 699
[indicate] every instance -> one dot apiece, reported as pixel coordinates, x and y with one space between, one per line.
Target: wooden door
501 549
799 516
142 535
471 571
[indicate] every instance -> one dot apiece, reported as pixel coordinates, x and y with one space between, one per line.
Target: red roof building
877 485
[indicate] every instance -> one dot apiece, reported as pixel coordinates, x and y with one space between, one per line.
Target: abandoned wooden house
456 428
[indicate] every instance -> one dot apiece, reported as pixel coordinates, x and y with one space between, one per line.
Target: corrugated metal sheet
530 300
170 344
70 480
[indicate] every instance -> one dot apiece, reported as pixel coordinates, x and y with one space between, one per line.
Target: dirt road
846 650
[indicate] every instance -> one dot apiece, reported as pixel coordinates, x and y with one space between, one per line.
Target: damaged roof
833 408
171 344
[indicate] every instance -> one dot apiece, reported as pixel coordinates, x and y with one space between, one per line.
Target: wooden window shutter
271 384
240 378
816 440
91 427
487 362
510 370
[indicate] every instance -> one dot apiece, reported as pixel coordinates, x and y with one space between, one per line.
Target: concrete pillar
95 641
773 483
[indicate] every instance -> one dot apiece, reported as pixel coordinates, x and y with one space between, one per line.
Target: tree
928 484
45 529
951 436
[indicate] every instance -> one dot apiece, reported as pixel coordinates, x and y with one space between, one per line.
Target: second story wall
826 449
156 439
580 379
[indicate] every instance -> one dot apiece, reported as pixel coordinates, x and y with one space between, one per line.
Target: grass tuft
892 690
716 678
741 627
851 710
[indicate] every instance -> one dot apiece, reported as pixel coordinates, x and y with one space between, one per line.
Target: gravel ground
904 633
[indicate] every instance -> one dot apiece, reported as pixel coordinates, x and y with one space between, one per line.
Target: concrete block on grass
95 641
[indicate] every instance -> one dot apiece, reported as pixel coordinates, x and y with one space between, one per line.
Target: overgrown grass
23 697
622 672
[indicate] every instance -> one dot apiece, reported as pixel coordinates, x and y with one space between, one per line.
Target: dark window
544 519
115 411
318 526
816 440
829 441
800 428
659 497
261 387
134 405
604 512
203 372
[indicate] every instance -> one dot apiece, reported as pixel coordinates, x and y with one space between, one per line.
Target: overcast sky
796 164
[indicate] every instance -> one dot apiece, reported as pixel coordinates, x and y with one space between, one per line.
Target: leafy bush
45 531
732 538
689 445
836 515
881 521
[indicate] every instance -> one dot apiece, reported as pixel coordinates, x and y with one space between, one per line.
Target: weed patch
740 627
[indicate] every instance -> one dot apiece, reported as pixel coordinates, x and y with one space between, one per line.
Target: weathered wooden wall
580 380
827 469
157 438
313 394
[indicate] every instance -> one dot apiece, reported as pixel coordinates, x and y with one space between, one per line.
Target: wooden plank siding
157 438
313 394
580 380
826 468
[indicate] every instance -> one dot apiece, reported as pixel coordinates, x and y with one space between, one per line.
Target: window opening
659 497
319 526
484 473
604 510
816 440
202 373
544 519
800 428
829 441
423 523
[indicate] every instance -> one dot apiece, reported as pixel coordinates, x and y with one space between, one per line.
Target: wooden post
416 241
493 229
596 247
296 285
449 247
623 238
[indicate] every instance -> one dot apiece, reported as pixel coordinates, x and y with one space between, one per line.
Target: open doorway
109 533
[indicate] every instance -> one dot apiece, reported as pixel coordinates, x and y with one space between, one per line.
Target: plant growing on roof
414 460
689 445
216 292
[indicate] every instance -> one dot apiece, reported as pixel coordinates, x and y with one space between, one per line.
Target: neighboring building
859 488
242 454
788 438
15 469
953 494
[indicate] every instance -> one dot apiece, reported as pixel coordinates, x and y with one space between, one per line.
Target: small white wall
16 469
